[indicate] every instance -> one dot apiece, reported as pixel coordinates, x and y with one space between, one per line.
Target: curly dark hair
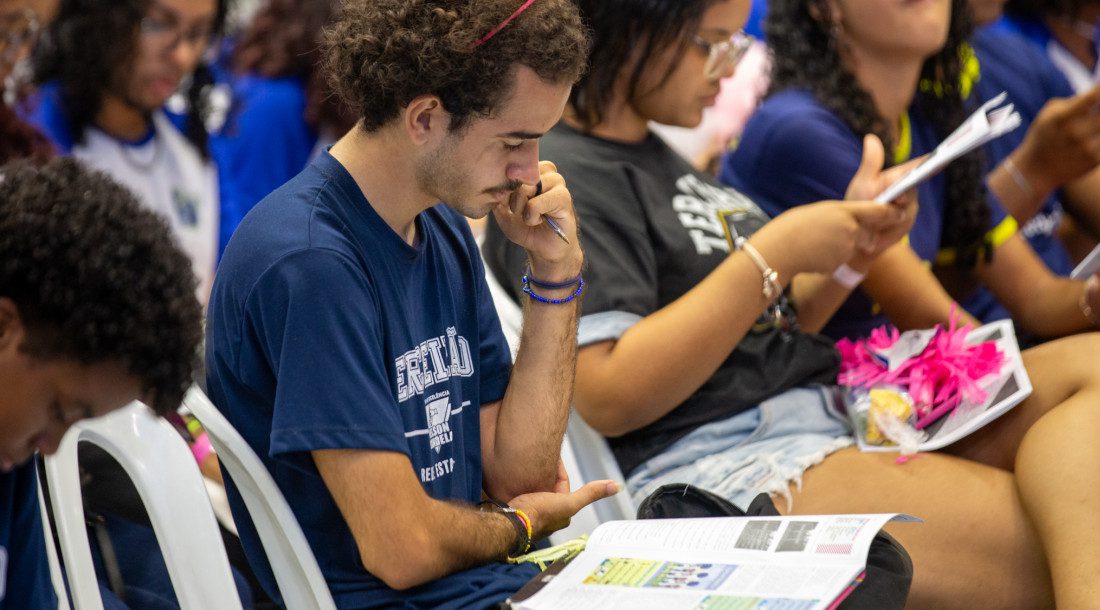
629 31
806 56
110 28
1037 9
381 54
283 40
97 277
19 140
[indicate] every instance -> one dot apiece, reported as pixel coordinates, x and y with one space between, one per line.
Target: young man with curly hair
108 69
351 336
97 309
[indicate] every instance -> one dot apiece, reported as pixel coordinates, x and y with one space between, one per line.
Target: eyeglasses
167 32
18 31
725 55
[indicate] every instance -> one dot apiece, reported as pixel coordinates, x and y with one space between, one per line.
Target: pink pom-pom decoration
939 378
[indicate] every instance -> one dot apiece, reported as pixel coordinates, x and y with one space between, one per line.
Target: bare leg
976 548
1058 370
1058 476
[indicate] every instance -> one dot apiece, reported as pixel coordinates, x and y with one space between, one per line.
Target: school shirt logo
697 207
186 206
433 361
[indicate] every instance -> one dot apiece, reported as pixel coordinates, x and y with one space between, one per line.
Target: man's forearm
533 414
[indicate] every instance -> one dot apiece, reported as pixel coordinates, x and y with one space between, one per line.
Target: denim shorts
762 450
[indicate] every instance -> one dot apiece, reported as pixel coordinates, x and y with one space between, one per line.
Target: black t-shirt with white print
652 229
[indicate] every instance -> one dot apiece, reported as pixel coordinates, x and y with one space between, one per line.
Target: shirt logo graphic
697 207
438 411
187 207
433 361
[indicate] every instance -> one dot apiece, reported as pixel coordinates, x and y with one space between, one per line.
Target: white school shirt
169 176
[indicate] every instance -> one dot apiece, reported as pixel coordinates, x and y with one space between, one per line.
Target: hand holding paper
989 122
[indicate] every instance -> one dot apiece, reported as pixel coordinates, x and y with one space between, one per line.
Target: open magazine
1003 391
724 563
990 121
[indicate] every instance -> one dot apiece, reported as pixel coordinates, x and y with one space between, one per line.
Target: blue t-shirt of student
1009 64
327 331
24 571
795 151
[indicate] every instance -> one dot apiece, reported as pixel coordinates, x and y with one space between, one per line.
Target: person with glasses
843 68
108 70
677 364
691 384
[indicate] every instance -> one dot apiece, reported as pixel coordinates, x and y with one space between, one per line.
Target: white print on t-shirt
1043 224
697 208
437 470
434 360
438 413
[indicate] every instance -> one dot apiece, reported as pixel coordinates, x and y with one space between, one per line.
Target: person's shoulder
270 96
791 125
796 111
1010 61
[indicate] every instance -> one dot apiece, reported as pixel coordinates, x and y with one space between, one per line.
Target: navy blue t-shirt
794 151
327 331
1010 64
24 571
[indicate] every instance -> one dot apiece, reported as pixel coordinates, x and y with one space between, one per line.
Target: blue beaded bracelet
549 285
542 299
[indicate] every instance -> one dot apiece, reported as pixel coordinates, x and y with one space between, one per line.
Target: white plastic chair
301 583
584 451
163 469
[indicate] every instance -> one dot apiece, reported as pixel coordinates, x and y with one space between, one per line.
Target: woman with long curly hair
691 385
899 74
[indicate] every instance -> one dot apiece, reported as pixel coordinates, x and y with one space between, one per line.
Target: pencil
547 219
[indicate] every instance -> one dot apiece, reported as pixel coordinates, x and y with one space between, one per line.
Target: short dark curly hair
96 277
381 54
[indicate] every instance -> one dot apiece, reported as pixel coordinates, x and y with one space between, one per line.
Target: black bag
889 568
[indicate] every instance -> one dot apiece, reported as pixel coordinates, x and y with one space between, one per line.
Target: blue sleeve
264 143
792 155
314 315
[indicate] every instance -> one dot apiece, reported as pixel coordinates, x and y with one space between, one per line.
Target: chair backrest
585 452
301 583
163 469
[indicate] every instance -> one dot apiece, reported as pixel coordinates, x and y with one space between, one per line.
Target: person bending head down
96 305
